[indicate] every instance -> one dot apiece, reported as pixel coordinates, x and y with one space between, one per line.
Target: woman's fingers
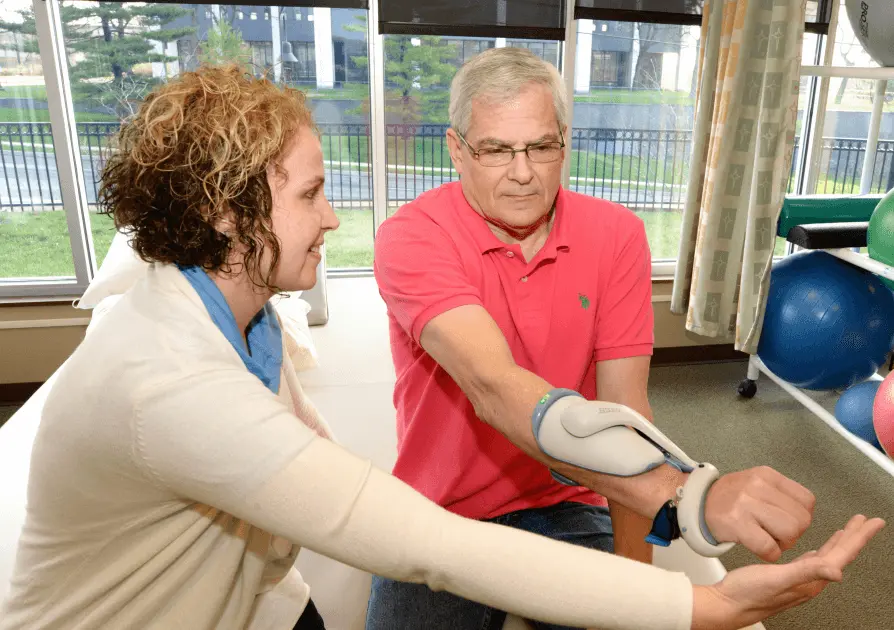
857 534
842 548
830 544
793 577
764 590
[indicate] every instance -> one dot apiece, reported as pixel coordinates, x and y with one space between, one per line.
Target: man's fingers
792 488
769 494
783 526
756 539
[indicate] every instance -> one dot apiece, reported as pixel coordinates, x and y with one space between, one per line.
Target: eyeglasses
540 152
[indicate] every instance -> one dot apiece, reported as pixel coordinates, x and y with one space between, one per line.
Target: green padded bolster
802 209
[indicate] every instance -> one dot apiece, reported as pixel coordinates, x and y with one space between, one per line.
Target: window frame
53 58
70 172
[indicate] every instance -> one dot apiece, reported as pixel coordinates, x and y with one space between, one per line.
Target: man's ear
454 145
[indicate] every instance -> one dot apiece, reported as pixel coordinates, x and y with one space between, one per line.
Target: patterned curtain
747 106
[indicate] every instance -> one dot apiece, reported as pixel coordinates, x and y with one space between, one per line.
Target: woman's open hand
754 593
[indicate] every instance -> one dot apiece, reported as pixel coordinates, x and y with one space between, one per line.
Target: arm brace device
597 436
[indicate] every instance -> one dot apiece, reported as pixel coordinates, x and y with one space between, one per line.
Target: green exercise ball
880 237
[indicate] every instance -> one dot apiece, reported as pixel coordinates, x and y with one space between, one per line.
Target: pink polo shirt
585 297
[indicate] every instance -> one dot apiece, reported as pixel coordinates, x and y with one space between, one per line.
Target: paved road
32 179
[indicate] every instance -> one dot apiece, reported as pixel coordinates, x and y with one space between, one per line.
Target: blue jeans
405 606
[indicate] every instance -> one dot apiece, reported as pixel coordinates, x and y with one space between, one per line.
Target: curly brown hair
197 151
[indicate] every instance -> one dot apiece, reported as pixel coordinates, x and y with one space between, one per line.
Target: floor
6 412
695 405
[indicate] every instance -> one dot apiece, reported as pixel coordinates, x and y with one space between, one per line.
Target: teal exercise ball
854 411
880 235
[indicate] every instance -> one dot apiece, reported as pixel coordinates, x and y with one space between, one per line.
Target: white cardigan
168 486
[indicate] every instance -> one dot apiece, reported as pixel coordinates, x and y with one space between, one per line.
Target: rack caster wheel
747 388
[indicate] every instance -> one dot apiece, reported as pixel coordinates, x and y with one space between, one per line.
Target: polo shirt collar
486 240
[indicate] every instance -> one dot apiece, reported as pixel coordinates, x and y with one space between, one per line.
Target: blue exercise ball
828 324
854 411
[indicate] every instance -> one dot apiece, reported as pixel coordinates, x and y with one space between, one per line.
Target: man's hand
760 509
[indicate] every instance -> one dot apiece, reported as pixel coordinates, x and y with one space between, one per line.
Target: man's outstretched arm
758 508
467 343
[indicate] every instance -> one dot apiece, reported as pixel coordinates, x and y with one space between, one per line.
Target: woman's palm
753 593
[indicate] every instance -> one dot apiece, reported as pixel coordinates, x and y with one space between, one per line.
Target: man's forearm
508 403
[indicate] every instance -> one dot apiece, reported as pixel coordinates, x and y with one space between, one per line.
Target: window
101 105
261 56
546 50
305 69
33 229
466 48
417 156
606 68
847 113
844 138
634 86
633 114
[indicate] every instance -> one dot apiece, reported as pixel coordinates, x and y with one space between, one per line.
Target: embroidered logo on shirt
584 300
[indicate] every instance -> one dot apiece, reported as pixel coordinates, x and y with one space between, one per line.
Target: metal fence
642 169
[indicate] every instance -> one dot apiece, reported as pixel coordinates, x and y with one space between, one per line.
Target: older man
500 288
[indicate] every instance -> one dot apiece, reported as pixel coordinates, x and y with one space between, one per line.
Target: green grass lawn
360 91
36 245
8 114
37 92
418 153
635 97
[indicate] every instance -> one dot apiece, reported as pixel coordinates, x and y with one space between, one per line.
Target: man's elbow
483 391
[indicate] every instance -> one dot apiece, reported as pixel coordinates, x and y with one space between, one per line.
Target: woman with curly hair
178 467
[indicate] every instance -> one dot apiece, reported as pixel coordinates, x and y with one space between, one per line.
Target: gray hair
498 75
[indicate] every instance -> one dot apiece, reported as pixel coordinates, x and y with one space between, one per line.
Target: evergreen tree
105 43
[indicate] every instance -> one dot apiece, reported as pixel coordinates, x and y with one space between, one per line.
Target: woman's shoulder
159 329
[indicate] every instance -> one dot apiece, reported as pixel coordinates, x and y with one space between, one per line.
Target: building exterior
325 43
